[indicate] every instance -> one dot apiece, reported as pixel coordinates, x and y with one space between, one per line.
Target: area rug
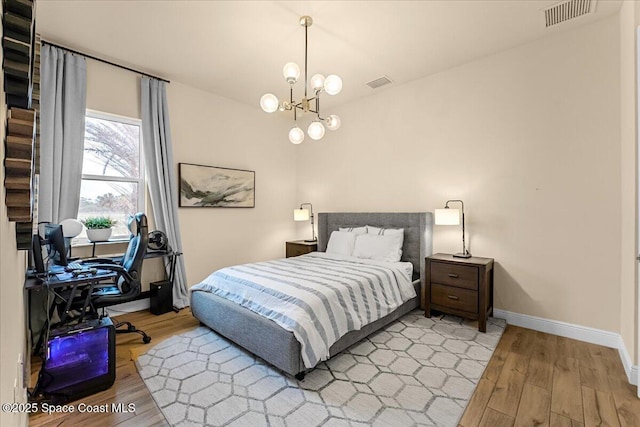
415 372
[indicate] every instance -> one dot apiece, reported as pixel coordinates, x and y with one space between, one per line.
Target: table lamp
448 216
304 215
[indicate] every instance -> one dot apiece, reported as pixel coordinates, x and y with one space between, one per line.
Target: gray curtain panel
63 100
163 186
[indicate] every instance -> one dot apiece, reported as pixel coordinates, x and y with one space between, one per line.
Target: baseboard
577 332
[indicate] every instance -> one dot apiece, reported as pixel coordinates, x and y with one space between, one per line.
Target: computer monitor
56 243
36 255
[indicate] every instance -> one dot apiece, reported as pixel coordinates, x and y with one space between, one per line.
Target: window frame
141 180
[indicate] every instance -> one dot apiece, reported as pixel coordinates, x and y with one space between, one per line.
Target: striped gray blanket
319 297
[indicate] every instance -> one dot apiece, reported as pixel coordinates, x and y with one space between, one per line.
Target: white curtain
163 187
63 99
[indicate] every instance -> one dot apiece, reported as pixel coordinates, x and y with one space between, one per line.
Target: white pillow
385 231
384 247
341 243
356 230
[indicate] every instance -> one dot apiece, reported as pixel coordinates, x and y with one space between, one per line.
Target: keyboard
73 266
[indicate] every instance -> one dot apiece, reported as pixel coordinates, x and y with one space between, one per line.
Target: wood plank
565 398
493 418
473 414
595 378
534 407
506 395
599 408
557 420
626 402
540 373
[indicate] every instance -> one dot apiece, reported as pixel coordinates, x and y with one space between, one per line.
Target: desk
171 255
59 280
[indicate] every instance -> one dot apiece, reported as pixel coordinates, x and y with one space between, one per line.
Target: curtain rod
103 60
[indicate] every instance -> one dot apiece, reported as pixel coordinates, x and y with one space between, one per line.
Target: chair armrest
101 261
117 268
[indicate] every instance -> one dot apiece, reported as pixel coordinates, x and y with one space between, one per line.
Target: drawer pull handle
455 276
453 297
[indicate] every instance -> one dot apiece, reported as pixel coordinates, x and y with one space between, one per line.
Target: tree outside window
112 173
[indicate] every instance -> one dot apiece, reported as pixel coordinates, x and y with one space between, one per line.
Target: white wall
13 329
211 130
628 162
529 138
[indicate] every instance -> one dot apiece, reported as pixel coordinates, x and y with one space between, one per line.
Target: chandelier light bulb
296 135
333 122
269 102
315 130
333 84
291 72
317 82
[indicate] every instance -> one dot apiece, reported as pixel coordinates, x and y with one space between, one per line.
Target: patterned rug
415 372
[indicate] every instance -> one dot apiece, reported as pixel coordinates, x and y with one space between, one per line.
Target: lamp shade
296 135
333 84
447 216
291 72
301 214
269 103
317 82
333 122
71 227
315 130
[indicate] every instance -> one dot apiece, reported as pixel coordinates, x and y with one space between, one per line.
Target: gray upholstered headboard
418 231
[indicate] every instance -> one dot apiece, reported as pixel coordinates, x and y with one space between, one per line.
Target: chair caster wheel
146 340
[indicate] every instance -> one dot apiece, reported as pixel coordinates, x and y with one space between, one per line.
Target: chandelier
332 85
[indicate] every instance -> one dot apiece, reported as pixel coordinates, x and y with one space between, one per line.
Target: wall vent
567 10
381 81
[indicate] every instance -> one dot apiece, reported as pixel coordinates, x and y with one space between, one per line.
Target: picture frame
215 187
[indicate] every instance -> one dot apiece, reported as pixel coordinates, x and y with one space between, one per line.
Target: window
112 170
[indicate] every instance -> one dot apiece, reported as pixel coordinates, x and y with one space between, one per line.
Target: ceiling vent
567 10
381 81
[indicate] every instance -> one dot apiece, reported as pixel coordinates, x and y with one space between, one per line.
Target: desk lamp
448 216
304 215
70 228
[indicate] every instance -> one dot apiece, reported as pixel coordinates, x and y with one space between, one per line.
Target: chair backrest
133 257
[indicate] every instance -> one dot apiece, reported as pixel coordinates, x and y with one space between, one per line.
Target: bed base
266 339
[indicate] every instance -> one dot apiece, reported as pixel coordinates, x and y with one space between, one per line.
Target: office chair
127 285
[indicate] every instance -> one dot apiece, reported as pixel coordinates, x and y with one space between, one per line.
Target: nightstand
300 247
459 286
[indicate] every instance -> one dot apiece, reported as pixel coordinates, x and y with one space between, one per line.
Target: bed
279 347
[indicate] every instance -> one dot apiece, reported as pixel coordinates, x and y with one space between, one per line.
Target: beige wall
628 173
12 311
529 138
211 130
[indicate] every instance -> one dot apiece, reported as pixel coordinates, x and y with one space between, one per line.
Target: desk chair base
130 328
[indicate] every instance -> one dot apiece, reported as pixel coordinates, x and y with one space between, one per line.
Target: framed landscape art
215 187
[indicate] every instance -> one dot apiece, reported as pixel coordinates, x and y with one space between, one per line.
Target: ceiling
237 49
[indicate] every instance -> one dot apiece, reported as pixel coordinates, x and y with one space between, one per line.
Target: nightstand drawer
462 276
456 298
300 247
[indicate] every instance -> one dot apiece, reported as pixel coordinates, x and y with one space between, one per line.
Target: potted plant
98 228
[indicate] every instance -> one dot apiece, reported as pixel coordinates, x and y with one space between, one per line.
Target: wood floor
533 379
537 379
